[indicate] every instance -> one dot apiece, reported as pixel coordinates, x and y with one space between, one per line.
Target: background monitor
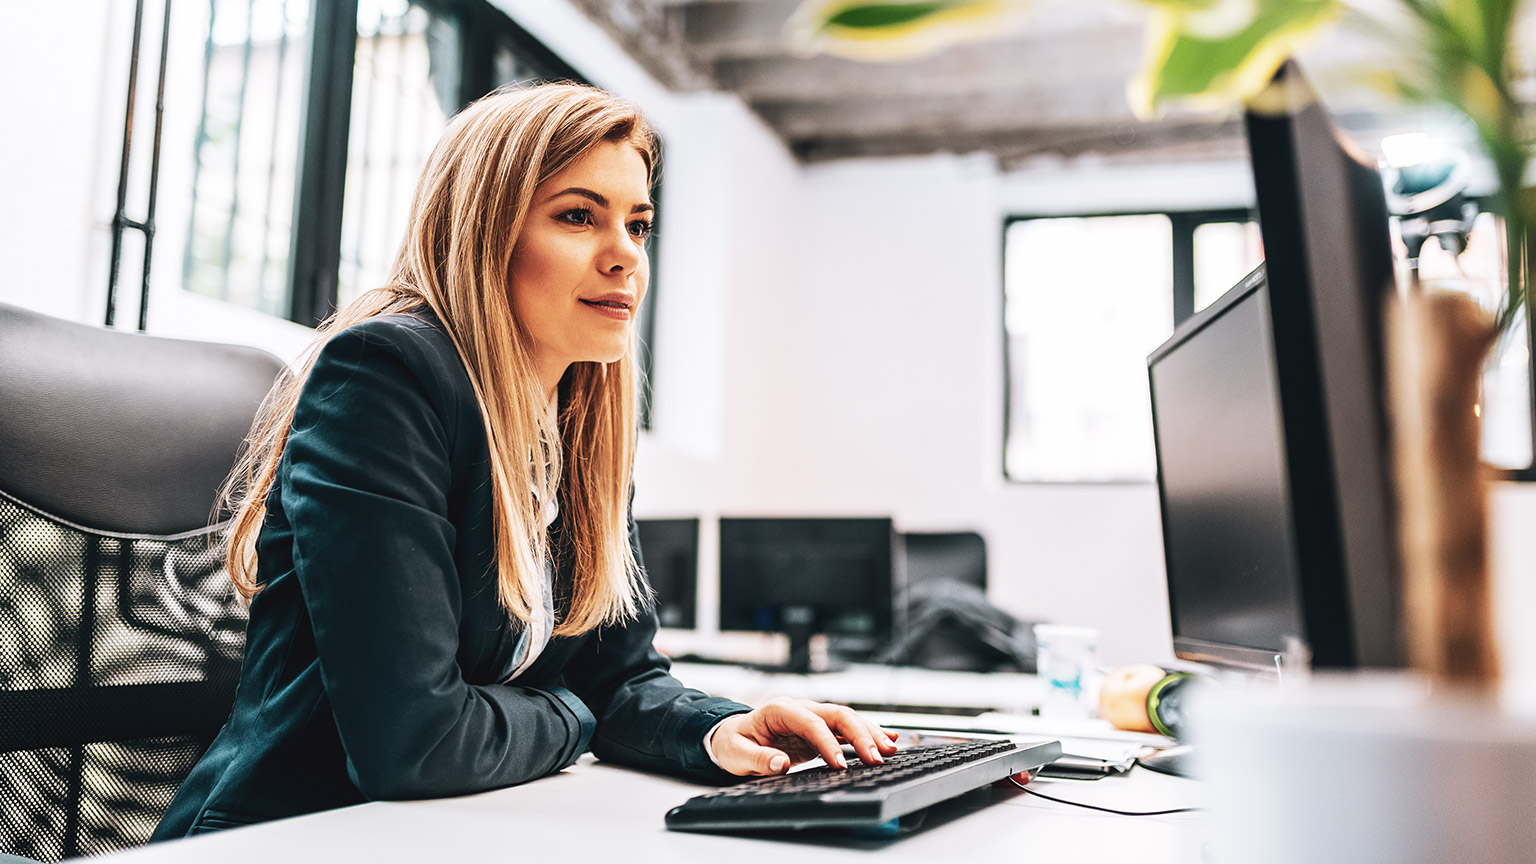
669 552
807 576
1268 411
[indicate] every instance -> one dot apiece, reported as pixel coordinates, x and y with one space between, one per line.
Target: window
405 86
1086 299
1079 324
245 153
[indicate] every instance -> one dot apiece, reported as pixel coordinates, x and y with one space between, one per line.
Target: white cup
1065 657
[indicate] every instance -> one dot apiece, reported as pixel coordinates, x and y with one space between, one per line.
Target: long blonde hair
467 214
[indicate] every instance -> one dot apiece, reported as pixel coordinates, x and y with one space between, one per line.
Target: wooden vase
1437 343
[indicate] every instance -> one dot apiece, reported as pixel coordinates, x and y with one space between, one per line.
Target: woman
431 519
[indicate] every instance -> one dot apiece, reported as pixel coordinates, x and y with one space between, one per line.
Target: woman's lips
614 309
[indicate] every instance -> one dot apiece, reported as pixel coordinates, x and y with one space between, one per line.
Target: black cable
1106 809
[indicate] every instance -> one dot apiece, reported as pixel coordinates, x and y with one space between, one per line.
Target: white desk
598 812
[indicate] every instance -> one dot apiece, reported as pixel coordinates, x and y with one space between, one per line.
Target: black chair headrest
119 431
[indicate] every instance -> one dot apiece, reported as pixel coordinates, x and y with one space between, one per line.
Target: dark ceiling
1056 87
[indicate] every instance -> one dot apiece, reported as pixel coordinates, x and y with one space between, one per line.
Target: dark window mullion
1183 266
477 53
322 162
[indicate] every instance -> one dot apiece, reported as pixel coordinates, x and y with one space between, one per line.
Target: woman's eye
641 228
578 216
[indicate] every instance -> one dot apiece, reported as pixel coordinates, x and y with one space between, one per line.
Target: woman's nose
621 254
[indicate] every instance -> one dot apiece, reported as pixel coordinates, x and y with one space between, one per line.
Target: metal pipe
148 227
118 216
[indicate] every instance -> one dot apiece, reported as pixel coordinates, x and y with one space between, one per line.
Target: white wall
57 126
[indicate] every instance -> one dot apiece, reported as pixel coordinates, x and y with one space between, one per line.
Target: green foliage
876 15
1190 61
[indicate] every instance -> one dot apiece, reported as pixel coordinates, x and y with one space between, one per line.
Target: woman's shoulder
416 329
416 338
413 344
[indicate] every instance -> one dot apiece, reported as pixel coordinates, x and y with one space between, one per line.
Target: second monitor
801 577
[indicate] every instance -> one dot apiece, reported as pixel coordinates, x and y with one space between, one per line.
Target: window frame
1182 224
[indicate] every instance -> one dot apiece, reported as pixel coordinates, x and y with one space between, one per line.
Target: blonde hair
467 214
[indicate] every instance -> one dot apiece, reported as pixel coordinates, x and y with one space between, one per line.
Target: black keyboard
863 795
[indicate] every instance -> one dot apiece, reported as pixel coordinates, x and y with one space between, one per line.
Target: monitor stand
799 624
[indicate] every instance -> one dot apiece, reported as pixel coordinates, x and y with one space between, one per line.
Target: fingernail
778 763
840 761
875 757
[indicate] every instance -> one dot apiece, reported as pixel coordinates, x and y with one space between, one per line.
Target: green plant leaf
1219 72
876 15
894 30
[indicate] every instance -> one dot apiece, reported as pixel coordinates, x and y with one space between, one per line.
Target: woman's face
579 269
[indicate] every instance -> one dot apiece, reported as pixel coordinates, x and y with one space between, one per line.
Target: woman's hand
786 732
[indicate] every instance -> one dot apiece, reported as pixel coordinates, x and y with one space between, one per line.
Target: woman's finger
884 738
800 721
853 728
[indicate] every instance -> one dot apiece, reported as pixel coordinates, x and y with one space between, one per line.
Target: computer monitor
1273 470
669 553
806 576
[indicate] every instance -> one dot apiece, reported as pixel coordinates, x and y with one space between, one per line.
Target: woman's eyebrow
600 200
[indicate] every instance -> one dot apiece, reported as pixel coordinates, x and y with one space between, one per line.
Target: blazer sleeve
365 488
645 717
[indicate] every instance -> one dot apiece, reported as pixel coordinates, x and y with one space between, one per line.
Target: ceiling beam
733 29
1023 143
1095 102
1027 64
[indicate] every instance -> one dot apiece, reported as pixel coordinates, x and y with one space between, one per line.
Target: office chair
120 636
950 624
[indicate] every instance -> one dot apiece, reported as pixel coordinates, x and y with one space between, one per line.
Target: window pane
246 152
404 86
1085 301
1225 252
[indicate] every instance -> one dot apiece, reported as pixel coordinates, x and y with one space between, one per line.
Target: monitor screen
1232 574
669 552
832 576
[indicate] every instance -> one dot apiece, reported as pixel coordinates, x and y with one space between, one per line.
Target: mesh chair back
120 636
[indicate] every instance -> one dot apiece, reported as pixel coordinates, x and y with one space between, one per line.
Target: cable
1106 809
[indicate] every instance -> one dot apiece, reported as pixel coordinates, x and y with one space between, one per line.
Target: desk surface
599 811
595 811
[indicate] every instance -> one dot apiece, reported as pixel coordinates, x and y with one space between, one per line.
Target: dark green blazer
375 653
